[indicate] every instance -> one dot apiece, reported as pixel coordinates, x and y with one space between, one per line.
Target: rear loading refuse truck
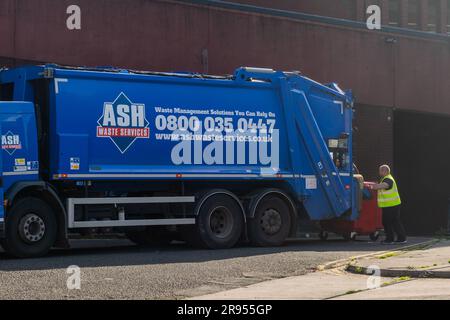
155 155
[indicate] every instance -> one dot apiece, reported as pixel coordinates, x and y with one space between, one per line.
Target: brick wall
356 9
373 139
411 73
344 9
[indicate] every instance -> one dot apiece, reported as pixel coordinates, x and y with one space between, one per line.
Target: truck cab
19 159
19 142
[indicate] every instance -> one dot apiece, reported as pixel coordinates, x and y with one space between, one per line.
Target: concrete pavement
314 286
432 260
415 289
339 284
331 285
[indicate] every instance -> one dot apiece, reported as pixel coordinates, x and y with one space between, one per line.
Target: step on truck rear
157 156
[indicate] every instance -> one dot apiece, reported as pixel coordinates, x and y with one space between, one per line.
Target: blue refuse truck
212 159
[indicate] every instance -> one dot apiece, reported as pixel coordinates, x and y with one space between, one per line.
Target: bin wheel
374 236
30 229
323 235
349 236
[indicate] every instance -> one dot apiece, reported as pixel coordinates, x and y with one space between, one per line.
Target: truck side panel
102 127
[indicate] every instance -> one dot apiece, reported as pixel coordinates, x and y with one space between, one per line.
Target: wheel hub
271 221
31 228
221 222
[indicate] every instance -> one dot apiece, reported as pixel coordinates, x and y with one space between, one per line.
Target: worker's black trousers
392 224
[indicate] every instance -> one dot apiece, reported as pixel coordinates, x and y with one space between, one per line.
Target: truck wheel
271 224
149 236
220 222
30 229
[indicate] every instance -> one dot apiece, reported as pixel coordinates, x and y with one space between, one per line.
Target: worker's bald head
384 170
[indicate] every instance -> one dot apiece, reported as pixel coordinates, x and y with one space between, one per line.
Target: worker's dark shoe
401 241
386 242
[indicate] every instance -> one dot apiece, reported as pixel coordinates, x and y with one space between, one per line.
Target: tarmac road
116 269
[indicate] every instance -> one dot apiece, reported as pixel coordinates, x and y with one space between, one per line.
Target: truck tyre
150 236
31 229
271 224
220 223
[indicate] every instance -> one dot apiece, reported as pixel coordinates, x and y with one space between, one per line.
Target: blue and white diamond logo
123 122
11 142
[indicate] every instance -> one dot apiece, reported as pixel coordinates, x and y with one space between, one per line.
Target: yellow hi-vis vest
389 198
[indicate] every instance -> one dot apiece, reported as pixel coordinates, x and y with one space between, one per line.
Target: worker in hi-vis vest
389 201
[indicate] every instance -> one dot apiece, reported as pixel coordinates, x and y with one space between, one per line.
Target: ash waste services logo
123 122
11 142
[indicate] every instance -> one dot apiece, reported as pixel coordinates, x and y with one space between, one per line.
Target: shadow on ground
106 253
